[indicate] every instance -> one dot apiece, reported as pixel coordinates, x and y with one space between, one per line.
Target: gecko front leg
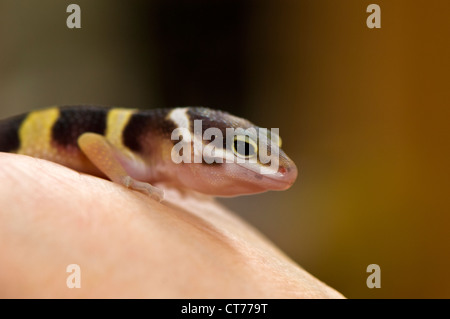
108 159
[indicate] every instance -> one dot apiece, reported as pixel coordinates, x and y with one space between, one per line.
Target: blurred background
363 112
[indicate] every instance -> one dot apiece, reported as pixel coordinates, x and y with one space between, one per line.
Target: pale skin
128 245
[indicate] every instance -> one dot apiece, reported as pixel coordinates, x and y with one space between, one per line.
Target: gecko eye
243 146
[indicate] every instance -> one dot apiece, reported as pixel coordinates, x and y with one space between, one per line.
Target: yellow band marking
115 125
35 133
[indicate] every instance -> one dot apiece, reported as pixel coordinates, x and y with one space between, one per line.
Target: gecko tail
9 133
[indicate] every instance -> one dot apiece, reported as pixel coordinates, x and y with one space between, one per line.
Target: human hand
128 245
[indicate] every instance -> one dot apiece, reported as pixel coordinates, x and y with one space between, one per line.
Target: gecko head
230 156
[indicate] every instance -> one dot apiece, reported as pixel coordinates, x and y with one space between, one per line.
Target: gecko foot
154 192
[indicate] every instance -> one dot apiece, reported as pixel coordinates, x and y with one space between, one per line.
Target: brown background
364 113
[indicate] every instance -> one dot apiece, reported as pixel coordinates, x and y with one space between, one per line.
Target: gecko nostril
282 170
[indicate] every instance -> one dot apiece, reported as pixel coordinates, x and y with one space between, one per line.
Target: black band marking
76 120
9 133
143 123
